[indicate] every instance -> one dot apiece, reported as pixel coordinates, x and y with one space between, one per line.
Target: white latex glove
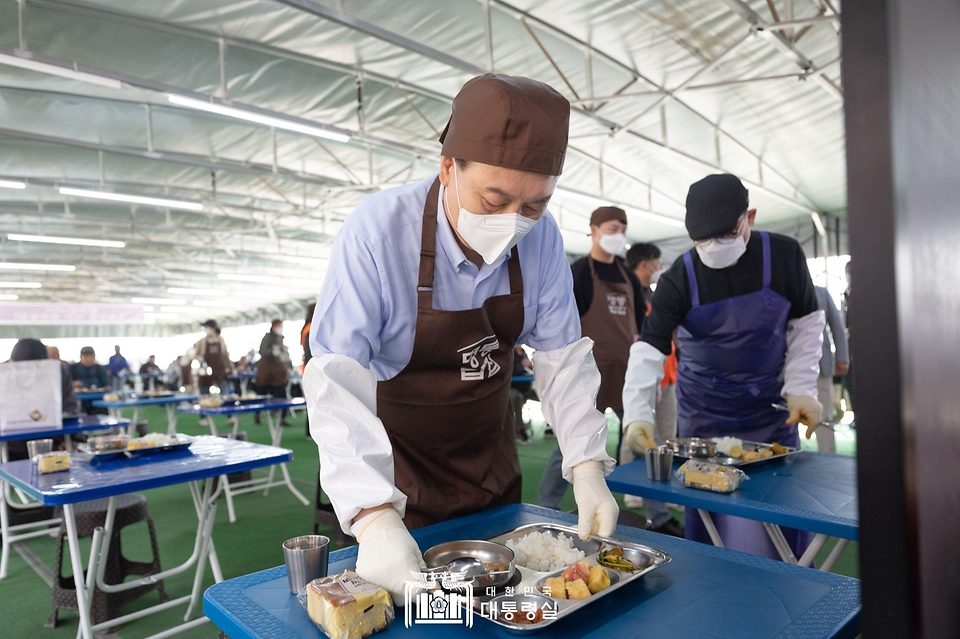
804 350
568 382
387 554
596 506
805 410
639 436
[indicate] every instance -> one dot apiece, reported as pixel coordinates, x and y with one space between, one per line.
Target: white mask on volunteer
720 253
490 235
655 276
210 332
613 243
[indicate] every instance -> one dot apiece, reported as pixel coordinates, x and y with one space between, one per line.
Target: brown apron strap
428 248
516 276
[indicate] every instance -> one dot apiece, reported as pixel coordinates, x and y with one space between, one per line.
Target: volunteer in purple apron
429 288
750 336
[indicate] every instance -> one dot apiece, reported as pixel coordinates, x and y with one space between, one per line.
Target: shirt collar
449 244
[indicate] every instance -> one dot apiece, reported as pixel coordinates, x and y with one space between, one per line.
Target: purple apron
730 372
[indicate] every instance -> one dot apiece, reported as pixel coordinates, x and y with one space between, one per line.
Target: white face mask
278 331
716 255
490 235
613 243
655 276
210 332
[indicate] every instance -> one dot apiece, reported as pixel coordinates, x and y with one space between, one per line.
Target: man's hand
639 436
387 554
596 506
842 368
77 383
804 410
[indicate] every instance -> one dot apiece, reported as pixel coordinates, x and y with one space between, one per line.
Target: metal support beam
549 57
222 48
21 24
787 48
149 114
784 24
488 32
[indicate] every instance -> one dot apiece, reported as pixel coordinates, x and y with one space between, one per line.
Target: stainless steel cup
306 558
36 447
659 463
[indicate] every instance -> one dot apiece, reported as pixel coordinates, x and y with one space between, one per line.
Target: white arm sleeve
356 458
568 382
804 349
644 372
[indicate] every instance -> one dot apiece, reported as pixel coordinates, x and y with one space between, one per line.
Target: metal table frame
271 409
11 534
843 530
204 492
169 404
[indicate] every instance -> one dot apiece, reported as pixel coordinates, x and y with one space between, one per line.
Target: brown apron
448 413
611 323
214 358
271 370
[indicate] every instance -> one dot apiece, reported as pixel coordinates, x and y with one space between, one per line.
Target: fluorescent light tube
63 72
181 309
156 300
582 197
217 303
160 316
8 297
595 201
10 184
133 199
75 241
212 292
258 118
264 279
20 284
24 266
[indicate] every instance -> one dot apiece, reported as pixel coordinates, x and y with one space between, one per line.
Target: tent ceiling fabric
663 93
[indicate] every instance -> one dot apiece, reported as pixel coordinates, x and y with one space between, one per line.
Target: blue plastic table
703 593
816 492
271 408
86 397
168 402
200 465
21 532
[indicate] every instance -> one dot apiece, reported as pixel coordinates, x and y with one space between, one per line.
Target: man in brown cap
611 305
430 286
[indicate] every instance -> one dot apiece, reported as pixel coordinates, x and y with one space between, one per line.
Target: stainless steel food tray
647 558
720 458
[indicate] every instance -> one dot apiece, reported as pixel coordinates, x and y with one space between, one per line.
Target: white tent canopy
275 118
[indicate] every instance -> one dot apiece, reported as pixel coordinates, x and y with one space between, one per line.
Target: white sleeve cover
356 458
644 372
804 349
568 382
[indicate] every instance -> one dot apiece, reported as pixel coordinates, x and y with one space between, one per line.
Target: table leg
5 531
133 423
780 543
711 528
76 564
171 418
213 425
834 555
810 554
228 493
212 555
276 436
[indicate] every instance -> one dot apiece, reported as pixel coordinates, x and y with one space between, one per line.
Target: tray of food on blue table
729 451
554 574
108 447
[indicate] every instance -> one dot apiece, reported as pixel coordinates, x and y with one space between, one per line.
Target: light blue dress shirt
367 308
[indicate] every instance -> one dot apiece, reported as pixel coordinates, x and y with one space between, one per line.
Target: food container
37 447
498 560
692 446
716 478
528 587
108 442
659 463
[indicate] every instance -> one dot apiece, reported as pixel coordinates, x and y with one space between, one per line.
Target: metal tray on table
720 458
183 442
644 557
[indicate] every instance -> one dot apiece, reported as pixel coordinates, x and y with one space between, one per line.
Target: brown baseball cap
607 213
508 121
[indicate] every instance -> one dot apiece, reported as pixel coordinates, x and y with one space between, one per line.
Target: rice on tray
543 552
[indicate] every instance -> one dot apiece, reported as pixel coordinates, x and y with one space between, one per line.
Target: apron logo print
617 304
476 360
